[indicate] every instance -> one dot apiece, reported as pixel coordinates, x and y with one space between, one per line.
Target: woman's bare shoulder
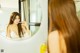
9 26
54 34
53 41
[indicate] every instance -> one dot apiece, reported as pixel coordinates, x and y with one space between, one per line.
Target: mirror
27 17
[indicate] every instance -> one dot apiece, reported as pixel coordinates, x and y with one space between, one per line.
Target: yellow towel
43 48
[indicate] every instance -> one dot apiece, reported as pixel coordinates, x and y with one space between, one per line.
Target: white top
15 36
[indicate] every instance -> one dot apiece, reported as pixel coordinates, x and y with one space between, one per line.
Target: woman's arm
25 27
53 42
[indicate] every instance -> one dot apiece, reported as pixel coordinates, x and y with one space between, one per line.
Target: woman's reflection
16 28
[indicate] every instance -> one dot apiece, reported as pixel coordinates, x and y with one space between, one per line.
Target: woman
16 28
64 27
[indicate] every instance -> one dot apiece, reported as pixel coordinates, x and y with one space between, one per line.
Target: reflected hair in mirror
12 18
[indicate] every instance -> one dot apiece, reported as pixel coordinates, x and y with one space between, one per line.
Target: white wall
31 45
9 3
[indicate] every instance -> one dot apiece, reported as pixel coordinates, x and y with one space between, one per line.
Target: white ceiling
9 3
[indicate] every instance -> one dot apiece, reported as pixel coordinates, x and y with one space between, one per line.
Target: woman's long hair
12 18
62 17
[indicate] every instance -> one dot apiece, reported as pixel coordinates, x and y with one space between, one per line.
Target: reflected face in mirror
17 29
17 20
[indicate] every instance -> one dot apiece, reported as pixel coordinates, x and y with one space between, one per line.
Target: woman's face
16 21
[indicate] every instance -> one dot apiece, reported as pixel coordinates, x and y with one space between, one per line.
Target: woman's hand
24 23
25 27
